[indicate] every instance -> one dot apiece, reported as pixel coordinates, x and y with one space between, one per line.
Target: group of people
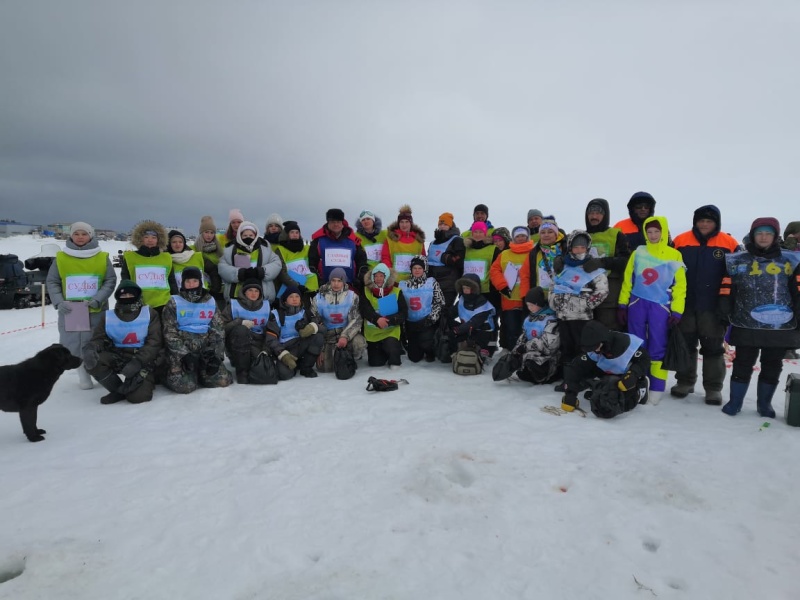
584 307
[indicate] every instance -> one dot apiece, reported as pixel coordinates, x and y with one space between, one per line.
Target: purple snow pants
648 320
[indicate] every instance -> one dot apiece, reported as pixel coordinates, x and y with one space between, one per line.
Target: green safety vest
195 261
373 249
81 278
297 263
372 332
479 262
151 273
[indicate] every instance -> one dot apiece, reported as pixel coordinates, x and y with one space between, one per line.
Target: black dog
23 387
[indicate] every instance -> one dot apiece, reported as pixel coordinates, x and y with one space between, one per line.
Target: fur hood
376 228
137 234
393 232
390 279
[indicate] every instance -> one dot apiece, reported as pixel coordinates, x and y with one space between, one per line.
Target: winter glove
64 308
242 274
506 292
189 362
628 382
248 323
308 330
558 264
592 264
257 273
90 357
622 315
132 368
674 319
94 304
287 359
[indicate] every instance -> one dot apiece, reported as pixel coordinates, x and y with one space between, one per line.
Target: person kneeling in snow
127 342
245 326
538 348
336 308
293 336
425 301
615 365
472 323
384 311
194 336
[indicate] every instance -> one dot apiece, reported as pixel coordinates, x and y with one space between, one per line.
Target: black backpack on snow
344 363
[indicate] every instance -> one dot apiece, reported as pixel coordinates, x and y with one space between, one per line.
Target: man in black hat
335 244
615 365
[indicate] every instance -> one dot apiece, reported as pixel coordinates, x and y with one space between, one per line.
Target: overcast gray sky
112 112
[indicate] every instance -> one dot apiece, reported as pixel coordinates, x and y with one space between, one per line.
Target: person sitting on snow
616 365
336 307
384 310
472 321
127 342
539 345
194 337
293 336
245 327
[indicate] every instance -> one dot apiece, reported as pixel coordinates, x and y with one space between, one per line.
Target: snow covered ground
450 488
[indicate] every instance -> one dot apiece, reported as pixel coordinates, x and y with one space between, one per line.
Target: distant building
61 230
9 228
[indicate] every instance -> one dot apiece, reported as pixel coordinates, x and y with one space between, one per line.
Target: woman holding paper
80 281
505 279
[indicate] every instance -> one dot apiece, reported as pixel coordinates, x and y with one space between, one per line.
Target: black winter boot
112 383
765 392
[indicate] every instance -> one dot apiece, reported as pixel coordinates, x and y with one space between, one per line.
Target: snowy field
450 488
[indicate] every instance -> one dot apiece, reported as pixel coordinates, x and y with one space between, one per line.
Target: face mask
247 241
580 256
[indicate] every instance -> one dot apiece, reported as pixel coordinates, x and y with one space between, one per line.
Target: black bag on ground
263 370
608 401
344 363
441 345
504 368
381 385
677 357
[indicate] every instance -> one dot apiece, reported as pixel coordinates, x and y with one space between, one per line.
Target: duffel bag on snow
344 363
263 370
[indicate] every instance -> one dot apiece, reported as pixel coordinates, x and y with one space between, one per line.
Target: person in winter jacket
505 278
336 307
369 229
80 273
336 245
150 266
404 239
703 249
273 229
210 247
235 219
446 257
761 297
296 266
293 337
182 256
535 219
384 310
472 318
194 338
481 214
618 360
791 235
425 302
501 237
653 297
126 341
245 321
479 256
641 206
539 344
537 268
609 251
576 293
249 257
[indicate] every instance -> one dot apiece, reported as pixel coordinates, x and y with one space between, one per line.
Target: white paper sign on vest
337 257
299 266
374 252
151 278
81 287
476 267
